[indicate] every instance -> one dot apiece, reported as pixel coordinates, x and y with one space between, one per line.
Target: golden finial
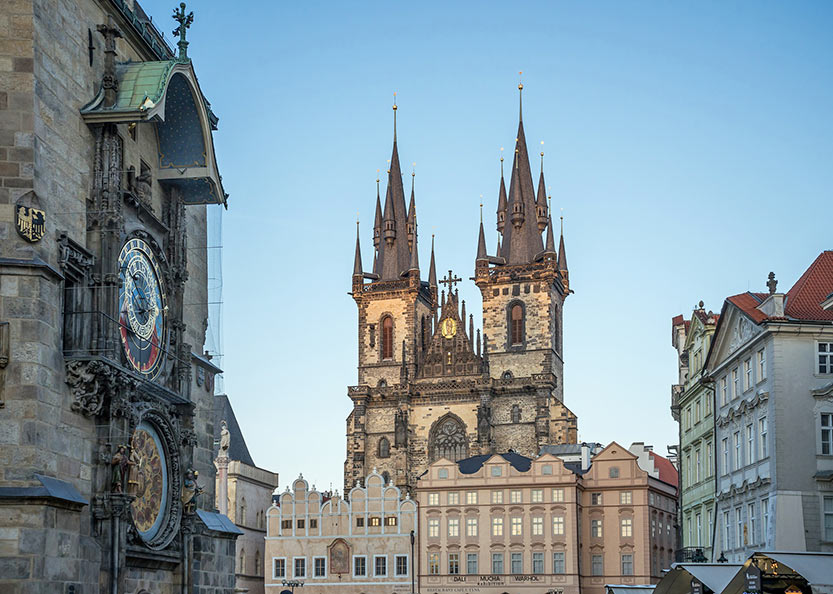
413 169
542 155
394 101
394 117
377 176
357 218
394 133
520 81
520 96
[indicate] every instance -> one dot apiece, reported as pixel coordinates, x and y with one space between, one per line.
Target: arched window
243 511
384 448
448 439
516 324
242 563
257 562
516 413
387 338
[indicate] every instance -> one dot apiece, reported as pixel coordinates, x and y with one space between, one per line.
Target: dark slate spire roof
432 270
501 202
414 249
562 253
521 244
394 256
377 225
357 260
412 213
550 246
541 201
481 242
237 445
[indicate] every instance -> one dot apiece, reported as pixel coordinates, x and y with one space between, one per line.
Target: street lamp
291 584
413 567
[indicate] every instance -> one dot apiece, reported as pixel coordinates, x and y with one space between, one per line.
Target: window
537 563
739 542
557 495
724 397
286 524
497 526
596 528
687 474
380 565
517 561
546 469
762 430
826 357
387 338
613 472
454 563
761 365
688 418
278 568
727 531
433 498
627 564
300 524
497 496
401 565
497 563
595 499
736 441
828 517
497 471
537 495
517 527
471 526
708 401
753 523
433 528
764 519
319 567
390 521
517 324
626 525
699 528
454 498
375 521
359 522
735 384
598 564
538 526
697 466
313 523
725 443
747 374
384 448
827 434
515 496
558 525
243 511
654 528
471 563
709 459
471 498
300 567
442 473
454 526
434 563
750 444
625 498
359 566
698 410
709 524
558 562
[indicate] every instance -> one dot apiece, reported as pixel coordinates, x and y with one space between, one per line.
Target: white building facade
772 367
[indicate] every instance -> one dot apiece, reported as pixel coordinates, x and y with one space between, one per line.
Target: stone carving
516 413
225 439
743 331
401 429
190 491
121 463
143 186
484 427
93 382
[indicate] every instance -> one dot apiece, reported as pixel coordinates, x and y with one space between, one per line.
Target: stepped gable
453 356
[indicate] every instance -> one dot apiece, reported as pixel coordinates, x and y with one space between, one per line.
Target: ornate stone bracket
94 382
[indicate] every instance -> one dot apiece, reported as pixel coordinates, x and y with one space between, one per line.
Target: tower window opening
517 324
387 338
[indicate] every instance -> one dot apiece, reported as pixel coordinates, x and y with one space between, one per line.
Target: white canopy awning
816 568
715 576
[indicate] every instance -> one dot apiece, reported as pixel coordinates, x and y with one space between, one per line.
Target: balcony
690 555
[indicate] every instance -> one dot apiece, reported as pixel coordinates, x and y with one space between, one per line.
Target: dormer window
387 338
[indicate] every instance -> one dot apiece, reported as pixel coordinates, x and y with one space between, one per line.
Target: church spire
414 267
394 255
550 246
432 270
541 201
412 214
562 259
377 225
501 200
357 260
481 239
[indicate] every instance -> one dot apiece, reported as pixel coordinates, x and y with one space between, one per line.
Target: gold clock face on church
448 327
148 480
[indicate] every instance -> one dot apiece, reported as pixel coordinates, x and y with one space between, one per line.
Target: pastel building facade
334 545
772 366
507 523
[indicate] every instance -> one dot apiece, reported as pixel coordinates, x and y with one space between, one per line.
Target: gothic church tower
429 385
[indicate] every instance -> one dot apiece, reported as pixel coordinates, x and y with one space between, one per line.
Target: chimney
585 456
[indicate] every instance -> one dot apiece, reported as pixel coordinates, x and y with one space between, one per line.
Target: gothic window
516 413
257 562
386 477
448 439
507 375
516 324
387 338
243 511
242 561
555 346
384 448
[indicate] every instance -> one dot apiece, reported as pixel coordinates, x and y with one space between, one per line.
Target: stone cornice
745 486
741 408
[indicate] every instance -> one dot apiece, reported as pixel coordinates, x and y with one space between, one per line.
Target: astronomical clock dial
448 327
141 308
148 480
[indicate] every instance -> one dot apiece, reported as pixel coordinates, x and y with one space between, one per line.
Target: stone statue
401 429
225 439
516 413
190 490
484 426
143 186
121 466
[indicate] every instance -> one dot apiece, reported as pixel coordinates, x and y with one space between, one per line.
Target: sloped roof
748 303
237 446
473 464
667 472
803 301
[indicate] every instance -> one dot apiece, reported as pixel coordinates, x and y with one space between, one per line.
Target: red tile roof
677 320
748 304
803 301
667 472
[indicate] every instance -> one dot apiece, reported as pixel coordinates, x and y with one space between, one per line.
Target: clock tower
432 386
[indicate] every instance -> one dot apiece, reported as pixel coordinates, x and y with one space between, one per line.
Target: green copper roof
141 86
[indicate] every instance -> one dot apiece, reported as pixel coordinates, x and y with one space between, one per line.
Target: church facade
107 176
429 385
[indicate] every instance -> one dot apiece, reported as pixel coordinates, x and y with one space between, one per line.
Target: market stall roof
816 568
715 576
628 589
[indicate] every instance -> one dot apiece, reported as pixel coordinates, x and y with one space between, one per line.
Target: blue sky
689 144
